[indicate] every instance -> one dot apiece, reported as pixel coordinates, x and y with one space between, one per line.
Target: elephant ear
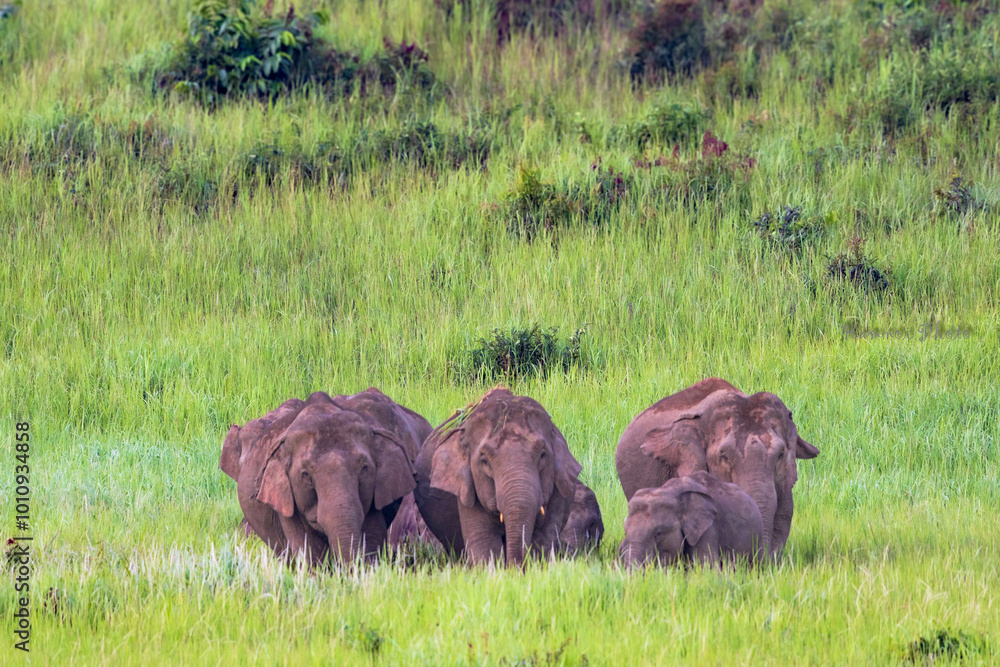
393 469
567 468
803 450
677 445
229 462
698 513
275 489
450 469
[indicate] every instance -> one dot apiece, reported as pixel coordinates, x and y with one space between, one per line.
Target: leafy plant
667 122
235 49
957 197
788 229
522 352
852 266
946 645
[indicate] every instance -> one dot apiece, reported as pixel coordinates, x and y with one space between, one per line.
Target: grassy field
173 265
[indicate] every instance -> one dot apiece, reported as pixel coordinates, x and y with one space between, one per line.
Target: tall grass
154 291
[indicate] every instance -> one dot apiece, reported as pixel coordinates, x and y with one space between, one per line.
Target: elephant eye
789 415
306 477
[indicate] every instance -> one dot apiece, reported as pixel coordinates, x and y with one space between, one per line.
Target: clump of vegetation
365 639
534 205
522 352
857 269
788 229
670 36
944 645
667 122
681 37
714 171
957 197
236 49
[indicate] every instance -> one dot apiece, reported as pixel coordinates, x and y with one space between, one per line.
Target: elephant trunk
764 494
341 521
522 501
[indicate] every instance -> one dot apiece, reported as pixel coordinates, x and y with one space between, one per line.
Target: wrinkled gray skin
499 482
750 441
584 529
409 528
694 518
326 474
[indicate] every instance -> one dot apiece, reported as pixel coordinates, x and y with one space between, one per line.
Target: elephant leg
483 535
301 538
375 533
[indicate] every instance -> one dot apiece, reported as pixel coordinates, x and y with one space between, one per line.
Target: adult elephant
326 474
496 479
750 441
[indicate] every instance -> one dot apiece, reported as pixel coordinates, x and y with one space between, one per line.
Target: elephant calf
584 528
497 479
326 474
698 517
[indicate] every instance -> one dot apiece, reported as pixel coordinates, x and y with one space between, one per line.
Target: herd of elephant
708 473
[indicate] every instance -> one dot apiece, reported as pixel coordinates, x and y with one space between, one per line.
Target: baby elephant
698 517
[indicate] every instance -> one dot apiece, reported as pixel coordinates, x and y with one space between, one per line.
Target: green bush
522 352
666 123
234 49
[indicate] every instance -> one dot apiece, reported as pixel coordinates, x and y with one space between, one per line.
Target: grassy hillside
176 262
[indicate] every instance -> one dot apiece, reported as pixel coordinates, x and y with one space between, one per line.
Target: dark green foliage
788 229
944 645
665 123
681 37
234 49
520 353
858 270
670 36
957 197
534 205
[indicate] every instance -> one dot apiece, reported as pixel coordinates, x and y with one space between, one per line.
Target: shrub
522 352
713 172
670 36
788 229
534 206
235 50
946 645
855 268
667 122
957 197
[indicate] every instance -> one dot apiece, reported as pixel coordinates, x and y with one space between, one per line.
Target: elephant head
749 441
339 471
508 458
584 527
664 523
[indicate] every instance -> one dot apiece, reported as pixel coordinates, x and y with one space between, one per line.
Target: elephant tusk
542 510
501 517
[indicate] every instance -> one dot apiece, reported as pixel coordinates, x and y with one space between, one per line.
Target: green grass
154 291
